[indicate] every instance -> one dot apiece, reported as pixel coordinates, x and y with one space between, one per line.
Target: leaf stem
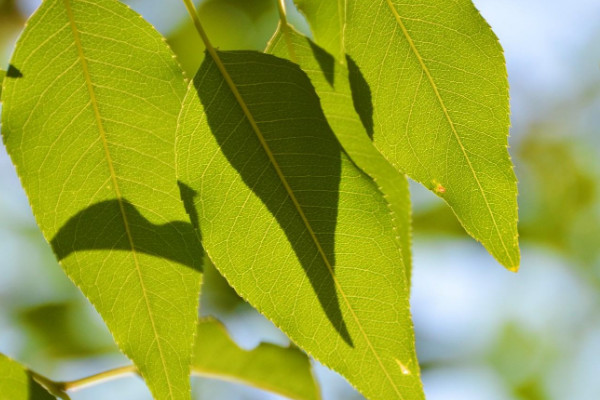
282 12
189 5
99 378
285 29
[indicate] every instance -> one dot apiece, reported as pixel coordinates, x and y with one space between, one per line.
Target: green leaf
17 383
285 371
440 104
293 225
333 83
89 121
2 75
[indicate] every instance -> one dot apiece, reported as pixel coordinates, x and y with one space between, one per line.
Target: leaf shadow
361 95
36 391
325 60
303 147
13 72
101 227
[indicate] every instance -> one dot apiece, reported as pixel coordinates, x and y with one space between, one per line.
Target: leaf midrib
102 132
275 164
442 104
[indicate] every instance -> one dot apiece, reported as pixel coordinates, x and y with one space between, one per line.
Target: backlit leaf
16 383
89 118
285 371
333 83
2 75
294 226
440 104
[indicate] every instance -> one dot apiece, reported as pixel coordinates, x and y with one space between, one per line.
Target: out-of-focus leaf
16 383
62 330
440 104
560 190
294 226
90 108
521 358
334 84
230 24
217 295
285 371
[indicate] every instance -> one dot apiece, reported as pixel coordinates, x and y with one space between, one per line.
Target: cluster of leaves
286 169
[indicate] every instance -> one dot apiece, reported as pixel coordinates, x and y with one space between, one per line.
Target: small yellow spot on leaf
403 368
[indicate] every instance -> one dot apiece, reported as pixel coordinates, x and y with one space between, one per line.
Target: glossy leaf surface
89 121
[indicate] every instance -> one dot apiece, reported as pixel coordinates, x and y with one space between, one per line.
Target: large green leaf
439 90
337 88
285 371
295 227
89 121
17 383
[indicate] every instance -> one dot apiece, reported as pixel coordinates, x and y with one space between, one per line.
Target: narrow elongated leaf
440 104
89 120
295 227
333 83
16 383
285 371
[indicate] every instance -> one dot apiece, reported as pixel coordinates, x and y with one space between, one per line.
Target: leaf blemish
438 188
403 368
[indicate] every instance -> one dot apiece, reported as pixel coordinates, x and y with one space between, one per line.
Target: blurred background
482 332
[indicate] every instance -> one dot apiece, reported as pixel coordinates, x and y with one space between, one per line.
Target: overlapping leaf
285 371
89 118
295 227
16 383
2 75
437 77
350 119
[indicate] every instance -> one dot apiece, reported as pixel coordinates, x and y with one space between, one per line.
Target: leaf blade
16 383
254 234
333 83
441 106
93 145
285 371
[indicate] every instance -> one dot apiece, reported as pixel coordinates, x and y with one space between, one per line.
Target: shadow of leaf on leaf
101 227
297 141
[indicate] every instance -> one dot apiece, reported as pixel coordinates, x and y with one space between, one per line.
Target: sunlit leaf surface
295 227
90 107
439 90
16 383
339 92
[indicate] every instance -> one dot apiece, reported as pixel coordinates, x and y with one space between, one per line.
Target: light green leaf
285 371
293 225
439 90
89 120
2 75
333 83
17 383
